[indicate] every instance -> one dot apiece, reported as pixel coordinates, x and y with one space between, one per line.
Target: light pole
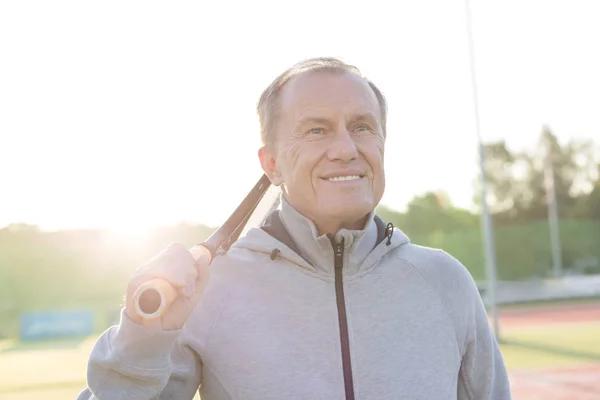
552 207
486 220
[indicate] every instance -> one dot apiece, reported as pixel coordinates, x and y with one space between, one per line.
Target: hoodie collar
298 243
318 249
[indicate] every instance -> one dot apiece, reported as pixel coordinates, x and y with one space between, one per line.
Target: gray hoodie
362 315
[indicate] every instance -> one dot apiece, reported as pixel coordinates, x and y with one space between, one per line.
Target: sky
133 114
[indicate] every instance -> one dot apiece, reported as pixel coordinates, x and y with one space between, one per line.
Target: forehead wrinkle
294 84
294 106
352 111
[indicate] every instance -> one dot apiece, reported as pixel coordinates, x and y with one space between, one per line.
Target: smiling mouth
345 178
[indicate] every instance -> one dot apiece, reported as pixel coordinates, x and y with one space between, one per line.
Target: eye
316 131
363 128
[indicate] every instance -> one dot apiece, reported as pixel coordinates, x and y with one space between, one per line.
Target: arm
149 359
482 372
130 361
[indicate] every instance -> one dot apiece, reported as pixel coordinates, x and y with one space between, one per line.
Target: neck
359 238
331 227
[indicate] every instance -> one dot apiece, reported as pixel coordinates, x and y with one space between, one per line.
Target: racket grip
153 297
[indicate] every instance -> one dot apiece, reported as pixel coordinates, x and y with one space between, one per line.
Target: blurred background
125 126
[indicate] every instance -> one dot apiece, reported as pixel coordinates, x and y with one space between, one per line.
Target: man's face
329 150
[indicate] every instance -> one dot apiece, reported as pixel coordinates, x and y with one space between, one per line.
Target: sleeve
130 361
482 374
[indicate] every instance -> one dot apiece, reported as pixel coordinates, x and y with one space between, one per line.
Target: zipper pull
339 248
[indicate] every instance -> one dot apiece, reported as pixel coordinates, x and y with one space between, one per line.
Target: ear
269 165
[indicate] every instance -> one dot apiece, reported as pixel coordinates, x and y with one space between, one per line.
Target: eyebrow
368 116
313 120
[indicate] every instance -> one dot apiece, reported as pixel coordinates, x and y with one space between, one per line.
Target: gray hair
266 107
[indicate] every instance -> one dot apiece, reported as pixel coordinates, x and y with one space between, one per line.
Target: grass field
534 341
558 346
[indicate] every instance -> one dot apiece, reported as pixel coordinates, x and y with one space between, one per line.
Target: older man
325 301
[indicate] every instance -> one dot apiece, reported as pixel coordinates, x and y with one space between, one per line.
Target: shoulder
217 292
442 270
448 278
230 274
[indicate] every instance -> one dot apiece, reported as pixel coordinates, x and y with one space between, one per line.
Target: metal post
552 211
486 220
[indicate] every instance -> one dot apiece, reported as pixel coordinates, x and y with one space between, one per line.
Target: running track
573 383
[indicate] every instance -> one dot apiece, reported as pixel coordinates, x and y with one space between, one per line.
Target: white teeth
344 178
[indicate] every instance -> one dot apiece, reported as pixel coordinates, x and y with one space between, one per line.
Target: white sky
127 114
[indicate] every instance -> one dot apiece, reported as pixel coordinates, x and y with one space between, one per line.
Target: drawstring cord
274 254
389 231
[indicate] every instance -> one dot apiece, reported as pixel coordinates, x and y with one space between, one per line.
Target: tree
589 205
569 169
517 180
433 212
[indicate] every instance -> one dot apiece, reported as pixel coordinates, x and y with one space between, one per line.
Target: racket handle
153 297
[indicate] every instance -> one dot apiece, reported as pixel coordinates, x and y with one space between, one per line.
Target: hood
289 235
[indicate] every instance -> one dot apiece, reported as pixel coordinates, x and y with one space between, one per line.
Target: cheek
290 156
298 160
374 152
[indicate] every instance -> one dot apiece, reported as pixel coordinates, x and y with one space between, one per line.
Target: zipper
343 322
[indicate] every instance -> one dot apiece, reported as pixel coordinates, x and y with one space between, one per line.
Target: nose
342 147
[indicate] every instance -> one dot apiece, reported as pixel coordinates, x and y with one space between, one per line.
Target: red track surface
542 315
579 383
573 383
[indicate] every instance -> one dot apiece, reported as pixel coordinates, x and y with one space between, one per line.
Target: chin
350 210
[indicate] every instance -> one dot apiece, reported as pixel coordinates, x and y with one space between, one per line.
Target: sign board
50 325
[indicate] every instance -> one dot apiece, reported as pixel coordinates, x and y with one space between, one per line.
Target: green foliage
428 213
522 251
75 269
517 181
